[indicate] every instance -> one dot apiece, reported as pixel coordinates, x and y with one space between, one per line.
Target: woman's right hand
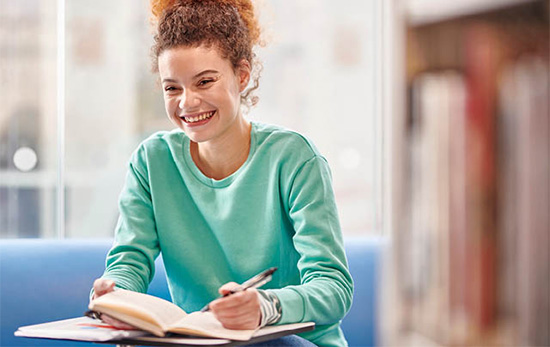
101 287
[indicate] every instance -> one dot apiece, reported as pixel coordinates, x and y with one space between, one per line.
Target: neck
220 158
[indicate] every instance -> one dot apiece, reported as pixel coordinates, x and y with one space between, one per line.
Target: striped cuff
270 308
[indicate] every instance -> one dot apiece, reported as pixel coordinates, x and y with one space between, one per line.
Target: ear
243 73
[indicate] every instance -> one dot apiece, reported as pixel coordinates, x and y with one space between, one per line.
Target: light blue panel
46 280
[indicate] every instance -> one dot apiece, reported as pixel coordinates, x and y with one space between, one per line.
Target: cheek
231 96
170 105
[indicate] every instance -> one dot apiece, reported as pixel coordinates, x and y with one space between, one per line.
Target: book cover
159 316
79 329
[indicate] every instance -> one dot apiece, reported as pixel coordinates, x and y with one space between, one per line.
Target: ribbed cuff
270 308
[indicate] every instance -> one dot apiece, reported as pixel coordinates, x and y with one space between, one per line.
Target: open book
160 317
88 329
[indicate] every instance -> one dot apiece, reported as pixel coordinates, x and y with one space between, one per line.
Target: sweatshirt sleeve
131 260
325 293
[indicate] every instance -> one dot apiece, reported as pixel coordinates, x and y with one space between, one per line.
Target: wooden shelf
423 12
472 142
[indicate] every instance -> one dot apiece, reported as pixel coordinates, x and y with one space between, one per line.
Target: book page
206 324
81 329
122 304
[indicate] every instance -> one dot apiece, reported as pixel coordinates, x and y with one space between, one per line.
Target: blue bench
45 280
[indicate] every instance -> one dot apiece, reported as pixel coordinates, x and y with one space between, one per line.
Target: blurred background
76 132
433 115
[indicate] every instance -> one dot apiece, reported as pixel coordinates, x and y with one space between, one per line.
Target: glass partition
28 118
321 77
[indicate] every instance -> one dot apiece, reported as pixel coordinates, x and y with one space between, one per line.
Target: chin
196 136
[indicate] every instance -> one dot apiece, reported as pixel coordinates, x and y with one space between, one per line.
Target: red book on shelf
482 60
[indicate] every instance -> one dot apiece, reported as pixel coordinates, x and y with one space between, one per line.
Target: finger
232 313
226 288
243 320
237 305
248 322
102 287
231 302
236 301
116 323
239 313
249 319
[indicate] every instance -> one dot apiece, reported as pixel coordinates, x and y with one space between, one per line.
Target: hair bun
158 6
244 7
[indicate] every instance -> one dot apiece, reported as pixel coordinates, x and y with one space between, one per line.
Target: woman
224 198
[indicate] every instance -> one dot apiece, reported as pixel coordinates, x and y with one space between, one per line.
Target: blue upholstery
46 280
364 258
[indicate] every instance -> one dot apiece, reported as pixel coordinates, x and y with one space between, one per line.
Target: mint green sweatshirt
277 209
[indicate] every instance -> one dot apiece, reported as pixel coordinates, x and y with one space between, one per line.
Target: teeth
199 118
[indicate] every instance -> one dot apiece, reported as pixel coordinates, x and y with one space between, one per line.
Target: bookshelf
420 12
472 239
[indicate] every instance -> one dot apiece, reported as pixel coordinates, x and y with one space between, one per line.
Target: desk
266 334
87 329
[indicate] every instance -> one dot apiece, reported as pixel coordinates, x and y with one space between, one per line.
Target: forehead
188 61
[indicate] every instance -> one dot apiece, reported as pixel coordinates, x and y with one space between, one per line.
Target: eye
171 90
205 82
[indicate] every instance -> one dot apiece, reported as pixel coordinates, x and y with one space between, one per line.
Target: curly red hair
228 25
245 8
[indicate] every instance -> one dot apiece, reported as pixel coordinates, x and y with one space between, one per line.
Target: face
202 91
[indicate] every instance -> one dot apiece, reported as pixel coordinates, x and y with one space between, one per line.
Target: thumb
226 288
102 286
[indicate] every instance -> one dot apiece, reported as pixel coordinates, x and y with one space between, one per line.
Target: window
67 163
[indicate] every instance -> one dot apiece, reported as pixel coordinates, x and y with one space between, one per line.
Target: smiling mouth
198 118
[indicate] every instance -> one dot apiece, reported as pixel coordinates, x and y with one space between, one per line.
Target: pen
255 282
93 314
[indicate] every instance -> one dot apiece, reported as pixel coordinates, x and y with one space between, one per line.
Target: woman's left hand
237 311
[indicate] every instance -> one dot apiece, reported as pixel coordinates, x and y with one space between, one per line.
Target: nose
188 100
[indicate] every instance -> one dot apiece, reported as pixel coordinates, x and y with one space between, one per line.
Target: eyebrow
205 72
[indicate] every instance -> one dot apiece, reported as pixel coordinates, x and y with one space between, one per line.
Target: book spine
482 60
532 180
